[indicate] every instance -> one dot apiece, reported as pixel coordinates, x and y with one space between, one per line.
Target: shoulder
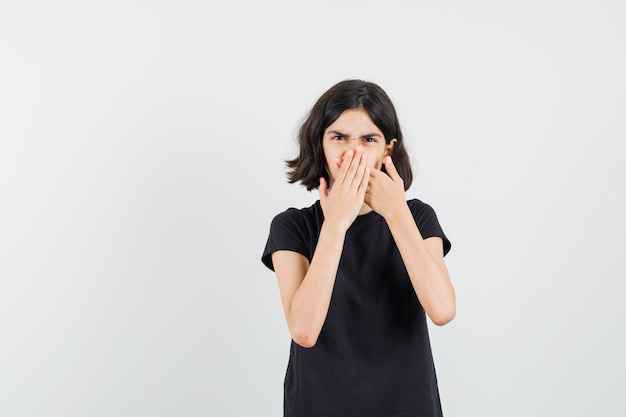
299 223
295 230
427 222
297 217
418 207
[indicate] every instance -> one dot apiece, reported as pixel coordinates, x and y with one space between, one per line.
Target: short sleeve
288 231
428 224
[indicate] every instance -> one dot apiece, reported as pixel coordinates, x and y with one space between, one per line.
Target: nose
354 144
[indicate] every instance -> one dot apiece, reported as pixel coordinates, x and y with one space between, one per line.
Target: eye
369 140
337 137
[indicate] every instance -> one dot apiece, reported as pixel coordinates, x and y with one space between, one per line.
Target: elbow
304 340
443 316
303 332
304 336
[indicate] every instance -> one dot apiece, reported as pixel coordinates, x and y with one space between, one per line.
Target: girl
360 269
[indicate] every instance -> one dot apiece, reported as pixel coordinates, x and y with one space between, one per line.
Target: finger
360 171
375 173
352 170
345 165
363 185
391 169
374 178
367 197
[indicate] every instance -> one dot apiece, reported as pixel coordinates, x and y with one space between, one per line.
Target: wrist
334 228
397 213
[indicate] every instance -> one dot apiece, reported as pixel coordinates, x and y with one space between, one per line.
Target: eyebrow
336 132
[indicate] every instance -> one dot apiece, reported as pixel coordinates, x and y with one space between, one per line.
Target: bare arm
305 290
423 258
424 263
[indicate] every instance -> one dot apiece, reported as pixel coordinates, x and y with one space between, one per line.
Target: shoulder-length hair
310 164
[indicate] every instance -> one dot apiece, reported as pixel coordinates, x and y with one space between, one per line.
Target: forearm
426 270
309 305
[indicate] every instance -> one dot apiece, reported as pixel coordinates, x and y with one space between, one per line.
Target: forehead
354 122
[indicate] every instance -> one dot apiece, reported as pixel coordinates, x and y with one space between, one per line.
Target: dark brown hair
310 164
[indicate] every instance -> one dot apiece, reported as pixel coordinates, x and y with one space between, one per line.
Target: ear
390 147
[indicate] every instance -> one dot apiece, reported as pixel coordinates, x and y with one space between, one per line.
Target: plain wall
141 162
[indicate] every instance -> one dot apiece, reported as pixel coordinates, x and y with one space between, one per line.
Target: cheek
333 160
375 159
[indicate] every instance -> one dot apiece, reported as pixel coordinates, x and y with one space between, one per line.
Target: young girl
360 269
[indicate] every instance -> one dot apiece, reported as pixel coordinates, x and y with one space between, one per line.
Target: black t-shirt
373 355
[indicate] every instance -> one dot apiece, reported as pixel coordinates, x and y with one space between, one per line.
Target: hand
385 193
342 204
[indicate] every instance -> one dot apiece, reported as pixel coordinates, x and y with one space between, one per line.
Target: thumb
323 189
391 169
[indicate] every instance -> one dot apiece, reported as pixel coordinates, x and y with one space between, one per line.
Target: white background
141 162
